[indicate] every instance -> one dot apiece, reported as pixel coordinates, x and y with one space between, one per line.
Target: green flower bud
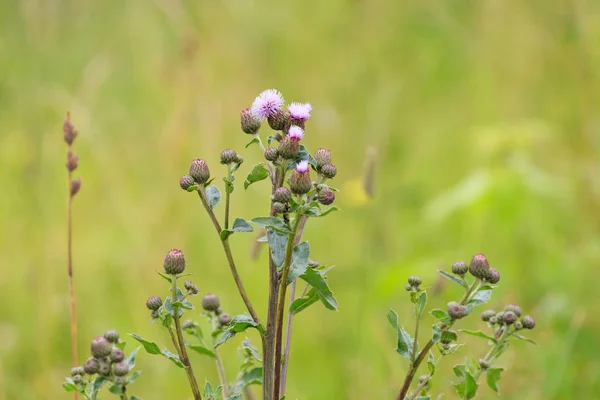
322 157
500 317
100 347
239 159
199 171
329 171
326 196
456 310
493 320
210 302
514 308
493 276
224 319
250 123
117 355
279 208
528 322
282 195
300 182
77 371
408 287
112 336
271 154
77 378
104 368
484 364
191 287
278 120
288 148
219 311
518 325
487 315
186 182
188 324
121 369
479 266
91 366
509 317
313 264
228 156
414 280
75 186
153 303
174 262
460 268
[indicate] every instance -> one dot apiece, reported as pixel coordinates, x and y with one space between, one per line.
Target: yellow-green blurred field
484 115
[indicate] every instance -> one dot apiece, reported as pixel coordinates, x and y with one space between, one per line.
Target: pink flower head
302 166
300 111
296 132
267 103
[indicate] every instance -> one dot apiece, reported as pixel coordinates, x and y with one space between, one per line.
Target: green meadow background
484 118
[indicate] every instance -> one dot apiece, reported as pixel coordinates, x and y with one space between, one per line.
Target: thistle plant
503 328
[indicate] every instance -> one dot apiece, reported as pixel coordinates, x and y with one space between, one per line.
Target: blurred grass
484 115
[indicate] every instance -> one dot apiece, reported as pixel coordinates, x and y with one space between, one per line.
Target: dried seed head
210 302
69 132
72 161
100 347
174 262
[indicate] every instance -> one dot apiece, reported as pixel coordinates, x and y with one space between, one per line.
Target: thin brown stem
219 362
227 195
174 340
73 315
414 366
420 387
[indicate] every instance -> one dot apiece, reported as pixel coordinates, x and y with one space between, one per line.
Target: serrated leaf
150 347
392 318
318 282
185 305
467 387
201 349
299 262
305 301
258 173
253 141
272 222
492 377
478 334
421 302
213 196
239 225
451 277
169 307
277 244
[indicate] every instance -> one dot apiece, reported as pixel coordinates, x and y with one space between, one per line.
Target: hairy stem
227 195
219 362
174 340
412 370
262 147
183 356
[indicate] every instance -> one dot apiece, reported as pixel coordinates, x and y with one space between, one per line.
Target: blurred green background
484 117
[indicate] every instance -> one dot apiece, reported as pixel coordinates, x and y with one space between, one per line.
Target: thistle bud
493 276
228 156
313 263
487 315
326 196
100 347
188 324
72 161
289 148
210 302
174 262
322 157
479 266
117 355
509 317
300 182
493 320
514 308
239 159
69 132
271 154
408 287
278 120
518 325
191 287
528 322
500 318
224 319
77 378
250 123
460 268
104 368
456 310
112 335
484 364
199 171
279 208
153 303
219 310
91 366
154 314
282 195
75 186
186 182
121 369
77 371
414 280
329 171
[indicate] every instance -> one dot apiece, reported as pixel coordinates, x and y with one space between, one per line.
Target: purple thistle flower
267 103
296 132
300 111
302 166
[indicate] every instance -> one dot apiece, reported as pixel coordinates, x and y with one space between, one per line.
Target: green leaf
173 357
213 196
523 338
305 301
201 349
192 188
150 347
69 385
299 261
130 360
454 278
169 307
437 334
239 225
318 282
481 297
116 389
133 377
238 324
246 345
423 398
250 377
405 342
467 386
186 305
277 244
272 222
421 302
165 276
449 335
392 318
167 321
97 385
478 334
135 398
472 366
442 315
258 173
493 376
253 141
431 363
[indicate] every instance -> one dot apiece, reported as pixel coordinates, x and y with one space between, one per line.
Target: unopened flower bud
224 319
278 120
228 156
282 195
117 355
289 148
528 322
514 308
456 310
121 369
271 154
408 287
154 314
119 380
414 280
69 132
279 208
91 366
75 186
153 303
313 263
72 161
321 186
100 347
112 335
484 364
518 325
326 196
300 182
199 171
210 302
479 266
509 317
493 320
500 318
239 159
77 378
322 157
77 371
250 123
104 368
219 310
186 182
486 315
188 324
191 287
460 268
329 171
493 276
174 262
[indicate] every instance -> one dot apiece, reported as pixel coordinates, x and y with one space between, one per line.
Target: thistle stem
227 195
262 147
73 315
219 362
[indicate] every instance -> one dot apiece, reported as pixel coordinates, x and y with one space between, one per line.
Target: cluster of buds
70 133
212 305
199 173
414 284
511 315
230 157
479 267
